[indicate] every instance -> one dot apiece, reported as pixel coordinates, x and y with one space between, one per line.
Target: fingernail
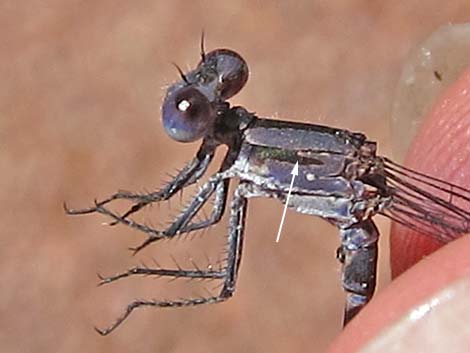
430 68
438 324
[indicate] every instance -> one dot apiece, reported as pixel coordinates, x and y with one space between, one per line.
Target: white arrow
295 172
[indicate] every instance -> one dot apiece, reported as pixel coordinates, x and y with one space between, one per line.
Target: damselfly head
190 106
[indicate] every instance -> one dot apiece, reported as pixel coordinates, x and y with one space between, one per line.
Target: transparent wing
426 204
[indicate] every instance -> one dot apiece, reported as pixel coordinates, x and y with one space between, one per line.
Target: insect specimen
341 179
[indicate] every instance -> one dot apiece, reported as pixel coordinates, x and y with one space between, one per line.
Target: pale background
80 91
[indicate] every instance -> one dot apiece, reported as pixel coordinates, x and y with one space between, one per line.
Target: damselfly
341 179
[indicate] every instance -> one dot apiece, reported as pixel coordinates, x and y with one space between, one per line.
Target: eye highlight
187 114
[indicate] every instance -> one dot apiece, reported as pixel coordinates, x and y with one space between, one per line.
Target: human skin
442 280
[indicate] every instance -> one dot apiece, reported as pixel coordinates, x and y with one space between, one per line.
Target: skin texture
441 149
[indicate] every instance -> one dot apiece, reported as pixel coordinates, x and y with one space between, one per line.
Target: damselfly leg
228 273
185 177
340 179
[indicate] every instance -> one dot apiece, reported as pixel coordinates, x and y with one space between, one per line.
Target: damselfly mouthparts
341 179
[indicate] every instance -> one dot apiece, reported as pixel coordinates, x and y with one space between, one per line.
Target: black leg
160 304
183 223
359 259
186 176
235 240
217 209
162 272
229 273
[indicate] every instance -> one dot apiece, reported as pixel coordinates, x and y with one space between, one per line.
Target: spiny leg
235 242
162 272
235 239
217 209
358 255
183 223
160 304
186 176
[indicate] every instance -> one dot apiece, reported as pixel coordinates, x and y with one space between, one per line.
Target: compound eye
231 69
187 114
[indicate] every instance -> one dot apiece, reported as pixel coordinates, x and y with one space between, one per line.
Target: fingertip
426 307
441 148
